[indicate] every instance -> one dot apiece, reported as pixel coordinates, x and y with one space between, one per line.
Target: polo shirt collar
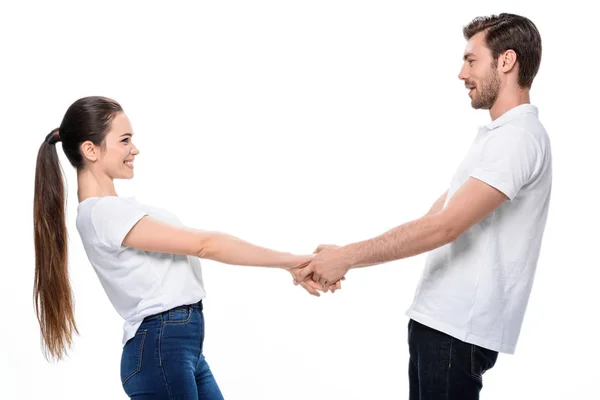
511 114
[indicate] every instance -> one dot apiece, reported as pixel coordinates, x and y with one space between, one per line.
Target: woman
145 259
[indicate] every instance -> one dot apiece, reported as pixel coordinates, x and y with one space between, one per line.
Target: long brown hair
88 119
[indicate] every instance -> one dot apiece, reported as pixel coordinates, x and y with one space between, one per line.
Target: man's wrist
352 255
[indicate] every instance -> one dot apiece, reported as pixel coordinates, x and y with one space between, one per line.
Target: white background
291 124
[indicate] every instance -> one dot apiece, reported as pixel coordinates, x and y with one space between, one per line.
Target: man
483 234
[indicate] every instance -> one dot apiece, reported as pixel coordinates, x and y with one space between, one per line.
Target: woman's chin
127 175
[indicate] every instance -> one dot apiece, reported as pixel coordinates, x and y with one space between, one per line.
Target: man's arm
471 203
435 208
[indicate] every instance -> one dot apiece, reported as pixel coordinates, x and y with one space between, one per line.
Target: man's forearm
407 240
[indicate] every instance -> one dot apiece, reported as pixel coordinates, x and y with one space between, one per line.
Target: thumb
322 247
293 276
304 273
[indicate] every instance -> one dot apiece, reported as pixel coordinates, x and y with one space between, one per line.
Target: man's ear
507 60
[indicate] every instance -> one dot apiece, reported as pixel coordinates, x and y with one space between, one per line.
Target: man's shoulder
524 127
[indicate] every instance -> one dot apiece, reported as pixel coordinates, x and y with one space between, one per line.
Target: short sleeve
508 160
113 218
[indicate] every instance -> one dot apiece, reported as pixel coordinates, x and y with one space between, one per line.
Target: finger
302 264
294 277
323 282
337 286
317 278
309 289
314 285
302 274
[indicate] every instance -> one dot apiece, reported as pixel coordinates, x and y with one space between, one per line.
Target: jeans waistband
197 305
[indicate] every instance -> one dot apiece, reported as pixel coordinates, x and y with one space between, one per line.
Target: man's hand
309 285
327 268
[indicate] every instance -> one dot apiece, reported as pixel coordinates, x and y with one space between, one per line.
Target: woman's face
116 160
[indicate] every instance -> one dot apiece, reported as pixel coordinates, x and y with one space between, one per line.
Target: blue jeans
164 359
444 368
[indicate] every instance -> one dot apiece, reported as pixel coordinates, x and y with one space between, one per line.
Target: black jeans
444 368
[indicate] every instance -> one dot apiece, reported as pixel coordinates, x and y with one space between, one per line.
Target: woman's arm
150 234
153 235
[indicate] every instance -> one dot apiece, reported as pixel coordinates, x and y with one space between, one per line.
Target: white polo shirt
476 288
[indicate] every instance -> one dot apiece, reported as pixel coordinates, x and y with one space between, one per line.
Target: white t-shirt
138 283
476 288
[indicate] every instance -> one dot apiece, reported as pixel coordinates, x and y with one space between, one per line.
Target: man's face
480 73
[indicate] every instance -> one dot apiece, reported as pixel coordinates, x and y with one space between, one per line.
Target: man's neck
509 100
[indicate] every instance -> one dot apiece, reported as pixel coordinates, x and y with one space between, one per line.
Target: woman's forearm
229 249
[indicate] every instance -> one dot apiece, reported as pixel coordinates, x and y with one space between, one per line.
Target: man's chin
479 106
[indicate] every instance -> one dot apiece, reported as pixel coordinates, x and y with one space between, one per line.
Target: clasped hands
324 272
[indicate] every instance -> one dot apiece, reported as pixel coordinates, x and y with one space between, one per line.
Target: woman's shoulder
107 207
91 208
104 201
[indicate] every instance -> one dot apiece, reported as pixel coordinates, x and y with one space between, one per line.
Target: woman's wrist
295 260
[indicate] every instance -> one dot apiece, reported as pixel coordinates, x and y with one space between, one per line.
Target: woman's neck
92 184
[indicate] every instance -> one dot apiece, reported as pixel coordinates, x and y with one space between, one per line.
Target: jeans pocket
178 315
131 359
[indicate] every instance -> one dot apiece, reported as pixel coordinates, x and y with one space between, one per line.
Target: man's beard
485 97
